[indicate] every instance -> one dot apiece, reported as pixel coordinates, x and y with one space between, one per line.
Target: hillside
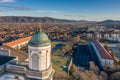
22 19
14 19
109 22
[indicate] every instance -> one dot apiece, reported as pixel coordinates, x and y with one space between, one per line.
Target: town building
103 56
17 44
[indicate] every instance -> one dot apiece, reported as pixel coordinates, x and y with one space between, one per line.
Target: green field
58 62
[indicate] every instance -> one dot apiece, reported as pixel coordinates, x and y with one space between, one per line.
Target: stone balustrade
16 68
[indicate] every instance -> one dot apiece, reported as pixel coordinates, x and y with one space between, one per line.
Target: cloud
69 15
48 11
1 11
74 16
82 16
3 1
14 7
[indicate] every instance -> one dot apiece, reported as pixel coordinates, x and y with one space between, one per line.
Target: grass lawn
58 62
54 43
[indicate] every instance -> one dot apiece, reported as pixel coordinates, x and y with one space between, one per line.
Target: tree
113 53
115 76
106 47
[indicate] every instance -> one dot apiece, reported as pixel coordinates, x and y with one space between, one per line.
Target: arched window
40 52
30 51
46 51
35 61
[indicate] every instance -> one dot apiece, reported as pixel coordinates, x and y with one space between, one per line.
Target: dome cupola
39 39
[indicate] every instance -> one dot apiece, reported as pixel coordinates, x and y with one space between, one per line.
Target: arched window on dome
46 51
35 62
30 51
40 52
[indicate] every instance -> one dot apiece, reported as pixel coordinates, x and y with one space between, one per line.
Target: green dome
39 39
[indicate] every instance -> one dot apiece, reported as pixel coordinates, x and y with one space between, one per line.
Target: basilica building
36 65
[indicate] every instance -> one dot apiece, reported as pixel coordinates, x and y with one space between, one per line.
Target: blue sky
63 9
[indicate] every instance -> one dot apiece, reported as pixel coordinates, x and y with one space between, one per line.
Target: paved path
56 47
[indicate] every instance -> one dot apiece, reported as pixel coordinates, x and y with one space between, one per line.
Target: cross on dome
40 27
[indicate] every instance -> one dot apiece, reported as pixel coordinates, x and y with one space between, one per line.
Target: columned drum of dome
39 49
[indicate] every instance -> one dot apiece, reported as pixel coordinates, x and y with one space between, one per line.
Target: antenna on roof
40 27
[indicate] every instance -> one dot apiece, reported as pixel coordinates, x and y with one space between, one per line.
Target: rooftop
103 53
5 59
12 43
39 39
16 53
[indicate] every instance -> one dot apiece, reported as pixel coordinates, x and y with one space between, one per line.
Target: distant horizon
62 18
90 10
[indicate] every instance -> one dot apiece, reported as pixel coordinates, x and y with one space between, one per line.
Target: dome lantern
40 27
39 39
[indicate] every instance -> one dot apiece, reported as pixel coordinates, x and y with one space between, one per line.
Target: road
56 47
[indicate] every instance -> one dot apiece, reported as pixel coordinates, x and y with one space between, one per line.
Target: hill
14 19
109 22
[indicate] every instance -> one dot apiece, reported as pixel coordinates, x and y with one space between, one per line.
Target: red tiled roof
12 43
103 53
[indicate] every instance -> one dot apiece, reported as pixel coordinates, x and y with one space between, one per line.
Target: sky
92 10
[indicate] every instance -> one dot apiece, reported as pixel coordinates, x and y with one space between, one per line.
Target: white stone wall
18 46
10 76
43 60
107 62
4 52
